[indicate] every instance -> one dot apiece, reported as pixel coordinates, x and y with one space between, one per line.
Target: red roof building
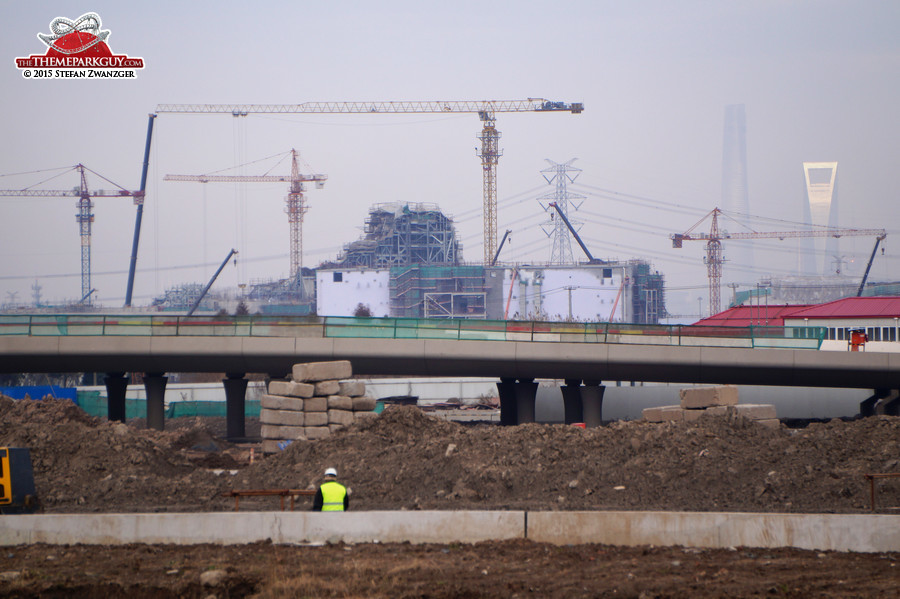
745 316
879 316
853 307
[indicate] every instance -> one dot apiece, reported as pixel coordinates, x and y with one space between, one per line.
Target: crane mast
486 109
295 203
490 155
715 260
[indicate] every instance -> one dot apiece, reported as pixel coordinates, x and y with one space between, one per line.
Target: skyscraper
735 197
820 209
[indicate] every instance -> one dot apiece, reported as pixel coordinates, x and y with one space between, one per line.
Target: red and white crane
296 202
84 217
715 260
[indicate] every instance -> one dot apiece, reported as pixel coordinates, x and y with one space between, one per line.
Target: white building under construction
408 264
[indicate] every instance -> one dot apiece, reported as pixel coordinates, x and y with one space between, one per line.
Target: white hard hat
331 472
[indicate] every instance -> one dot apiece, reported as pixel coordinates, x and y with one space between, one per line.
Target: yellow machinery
17 494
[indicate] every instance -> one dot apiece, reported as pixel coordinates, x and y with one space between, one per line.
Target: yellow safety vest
333 494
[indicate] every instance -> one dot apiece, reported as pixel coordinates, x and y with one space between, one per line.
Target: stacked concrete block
713 401
700 398
663 414
313 404
283 420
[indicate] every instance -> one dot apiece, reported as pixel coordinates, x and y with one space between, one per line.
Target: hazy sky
819 79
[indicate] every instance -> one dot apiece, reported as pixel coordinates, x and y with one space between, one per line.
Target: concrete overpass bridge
583 354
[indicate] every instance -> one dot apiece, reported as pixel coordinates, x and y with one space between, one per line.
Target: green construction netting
95 405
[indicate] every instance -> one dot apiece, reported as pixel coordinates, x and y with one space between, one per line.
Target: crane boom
500 247
242 178
862 284
677 238
139 213
485 109
577 237
434 106
66 193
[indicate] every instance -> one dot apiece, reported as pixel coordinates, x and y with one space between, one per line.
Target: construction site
409 264
418 300
409 261
685 470
408 463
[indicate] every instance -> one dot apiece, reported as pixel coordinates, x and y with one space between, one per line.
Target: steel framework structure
402 235
486 109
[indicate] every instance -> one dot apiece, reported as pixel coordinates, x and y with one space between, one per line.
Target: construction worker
331 496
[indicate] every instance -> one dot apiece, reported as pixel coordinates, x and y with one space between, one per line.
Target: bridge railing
575 332
409 328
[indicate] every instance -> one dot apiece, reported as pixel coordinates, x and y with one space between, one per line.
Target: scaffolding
182 297
300 290
437 292
403 235
648 298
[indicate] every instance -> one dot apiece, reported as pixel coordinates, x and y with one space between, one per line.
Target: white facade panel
340 291
577 294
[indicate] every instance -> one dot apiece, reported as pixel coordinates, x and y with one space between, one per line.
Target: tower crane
715 260
84 217
485 109
296 202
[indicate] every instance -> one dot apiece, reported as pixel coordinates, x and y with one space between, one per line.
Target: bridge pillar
592 403
235 395
526 393
867 406
155 386
888 403
116 385
571 393
506 389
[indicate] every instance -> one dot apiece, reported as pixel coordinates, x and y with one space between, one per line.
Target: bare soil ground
404 459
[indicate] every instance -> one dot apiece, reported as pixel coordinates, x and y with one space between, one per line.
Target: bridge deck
408 347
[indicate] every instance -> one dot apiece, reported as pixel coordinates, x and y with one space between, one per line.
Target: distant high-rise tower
560 174
820 209
735 197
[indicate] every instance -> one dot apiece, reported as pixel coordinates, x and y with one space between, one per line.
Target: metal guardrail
37 325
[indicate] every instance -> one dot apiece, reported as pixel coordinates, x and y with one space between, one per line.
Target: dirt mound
83 463
405 459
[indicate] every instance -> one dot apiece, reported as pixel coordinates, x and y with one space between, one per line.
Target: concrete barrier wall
249 527
834 532
824 532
